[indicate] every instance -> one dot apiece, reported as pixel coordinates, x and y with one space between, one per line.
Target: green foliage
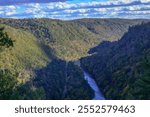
7 80
7 84
5 40
77 87
25 56
141 88
41 41
28 92
70 40
63 80
118 66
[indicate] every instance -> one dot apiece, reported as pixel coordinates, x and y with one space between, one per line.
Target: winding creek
92 83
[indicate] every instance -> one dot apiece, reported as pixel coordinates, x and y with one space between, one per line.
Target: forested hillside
122 68
41 60
71 40
25 55
7 80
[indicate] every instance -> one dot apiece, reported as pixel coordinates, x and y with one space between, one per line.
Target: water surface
93 85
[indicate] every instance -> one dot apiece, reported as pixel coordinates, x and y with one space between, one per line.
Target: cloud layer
15 2
72 10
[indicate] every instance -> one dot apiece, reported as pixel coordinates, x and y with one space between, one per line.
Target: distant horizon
78 18
75 9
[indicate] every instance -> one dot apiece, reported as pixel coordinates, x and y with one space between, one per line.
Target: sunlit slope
24 56
70 40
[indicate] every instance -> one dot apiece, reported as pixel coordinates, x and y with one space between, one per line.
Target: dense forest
37 58
122 68
7 80
51 82
71 40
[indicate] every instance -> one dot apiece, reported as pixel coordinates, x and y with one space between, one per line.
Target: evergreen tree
7 84
7 80
5 40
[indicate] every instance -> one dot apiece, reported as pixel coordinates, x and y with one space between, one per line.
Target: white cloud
10 13
110 8
1 12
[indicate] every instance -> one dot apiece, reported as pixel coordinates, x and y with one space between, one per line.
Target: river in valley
92 83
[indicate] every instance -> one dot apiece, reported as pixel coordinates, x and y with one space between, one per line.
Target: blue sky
74 9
